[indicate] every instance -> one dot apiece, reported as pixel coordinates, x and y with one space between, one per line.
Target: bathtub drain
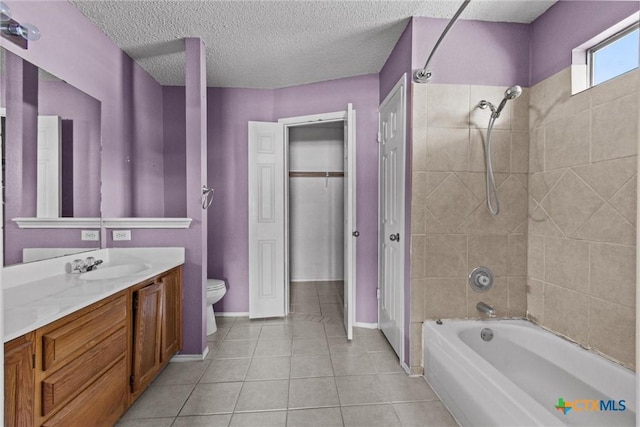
486 334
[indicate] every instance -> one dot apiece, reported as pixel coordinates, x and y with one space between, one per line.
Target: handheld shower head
511 93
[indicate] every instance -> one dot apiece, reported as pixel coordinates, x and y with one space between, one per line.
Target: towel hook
207 197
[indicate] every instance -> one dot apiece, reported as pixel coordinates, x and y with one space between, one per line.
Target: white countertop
38 293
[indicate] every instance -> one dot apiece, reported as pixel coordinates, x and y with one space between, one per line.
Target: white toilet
215 291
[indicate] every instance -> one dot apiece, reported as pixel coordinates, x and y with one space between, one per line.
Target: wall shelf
57 222
146 222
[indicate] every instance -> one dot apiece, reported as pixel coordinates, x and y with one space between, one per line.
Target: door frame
401 85
289 122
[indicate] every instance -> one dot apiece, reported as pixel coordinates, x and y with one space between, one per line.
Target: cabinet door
19 382
147 328
172 316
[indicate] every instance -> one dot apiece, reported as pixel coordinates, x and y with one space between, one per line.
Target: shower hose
492 191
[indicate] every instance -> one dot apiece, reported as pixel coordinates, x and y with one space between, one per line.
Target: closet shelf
315 174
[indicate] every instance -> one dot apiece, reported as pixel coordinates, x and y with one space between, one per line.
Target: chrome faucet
82 266
485 308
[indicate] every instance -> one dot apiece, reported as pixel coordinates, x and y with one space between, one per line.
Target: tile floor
297 371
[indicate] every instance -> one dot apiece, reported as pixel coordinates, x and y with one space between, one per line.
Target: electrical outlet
93 235
121 234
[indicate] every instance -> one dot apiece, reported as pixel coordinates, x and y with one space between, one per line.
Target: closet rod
315 174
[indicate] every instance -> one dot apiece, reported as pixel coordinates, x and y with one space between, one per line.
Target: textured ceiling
271 44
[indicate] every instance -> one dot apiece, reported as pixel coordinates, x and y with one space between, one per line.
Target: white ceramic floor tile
259 419
325 417
424 414
352 364
311 366
181 373
160 401
269 368
312 393
235 349
203 421
211 399
360 389
226 370
310 346
270 348
263 396
370 415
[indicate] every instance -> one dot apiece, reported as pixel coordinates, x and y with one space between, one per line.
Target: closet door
266 220
350 232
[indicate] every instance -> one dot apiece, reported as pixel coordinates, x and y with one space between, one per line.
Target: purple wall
565 26
229 112
474 52
334 95
398 62
175 154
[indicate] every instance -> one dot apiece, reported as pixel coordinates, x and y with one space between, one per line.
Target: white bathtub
517 378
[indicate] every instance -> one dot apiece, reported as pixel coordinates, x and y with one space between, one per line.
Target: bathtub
517 377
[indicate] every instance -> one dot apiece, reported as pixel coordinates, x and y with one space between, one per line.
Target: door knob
356 233
395 237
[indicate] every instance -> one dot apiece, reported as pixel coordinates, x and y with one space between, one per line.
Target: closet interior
316 218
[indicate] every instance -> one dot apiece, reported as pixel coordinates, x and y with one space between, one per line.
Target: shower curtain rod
423 75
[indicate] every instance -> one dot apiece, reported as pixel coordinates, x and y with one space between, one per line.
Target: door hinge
379 137
378 293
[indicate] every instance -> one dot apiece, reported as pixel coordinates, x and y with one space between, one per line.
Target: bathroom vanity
80 350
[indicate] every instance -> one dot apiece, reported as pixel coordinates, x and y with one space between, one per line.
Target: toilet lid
215 284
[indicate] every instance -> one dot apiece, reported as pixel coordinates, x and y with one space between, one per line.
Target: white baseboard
190 357
366 325
232 314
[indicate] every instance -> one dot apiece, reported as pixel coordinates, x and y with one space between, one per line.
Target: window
614 56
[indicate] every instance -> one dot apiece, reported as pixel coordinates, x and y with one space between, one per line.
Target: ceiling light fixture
14 31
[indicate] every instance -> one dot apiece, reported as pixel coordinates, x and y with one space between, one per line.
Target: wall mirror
50 135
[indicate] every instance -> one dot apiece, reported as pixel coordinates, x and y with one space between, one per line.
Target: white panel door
392 199
350 231
48 178
266 220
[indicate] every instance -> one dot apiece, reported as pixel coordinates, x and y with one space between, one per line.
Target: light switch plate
121 234
92 235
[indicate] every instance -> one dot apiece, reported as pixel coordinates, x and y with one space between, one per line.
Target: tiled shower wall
452 231
582 212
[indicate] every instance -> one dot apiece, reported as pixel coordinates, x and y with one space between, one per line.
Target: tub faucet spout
485 308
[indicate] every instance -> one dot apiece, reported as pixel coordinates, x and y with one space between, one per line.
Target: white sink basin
114 271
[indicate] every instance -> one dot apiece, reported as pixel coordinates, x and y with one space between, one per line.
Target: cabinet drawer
83 332
101 404
60 386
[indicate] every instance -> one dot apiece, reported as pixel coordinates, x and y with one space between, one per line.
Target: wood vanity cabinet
157 327
19 383
87 368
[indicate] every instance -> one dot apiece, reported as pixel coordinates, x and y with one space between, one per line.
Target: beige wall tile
513 203
541 224
446 255
566 263
434 179
448 105
541 183
517 255
607 225
419 103
535 300
566 312
536 105
447 149
558 100
517 297
520 111
612 330
614 129
497 297
451 203
481 221
418 261
418 219
624 201
519 151
609 176
415 348
571 203
535 257
418 185
566 141
445 298
489 251
417 300
615 88
536 149
613 273
476 182
419 148
433 225
500 150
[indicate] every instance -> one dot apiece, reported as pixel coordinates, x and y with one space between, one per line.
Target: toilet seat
215 285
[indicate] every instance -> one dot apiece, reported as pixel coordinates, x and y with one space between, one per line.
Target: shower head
511 93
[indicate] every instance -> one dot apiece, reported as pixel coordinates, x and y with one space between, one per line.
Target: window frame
603 44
